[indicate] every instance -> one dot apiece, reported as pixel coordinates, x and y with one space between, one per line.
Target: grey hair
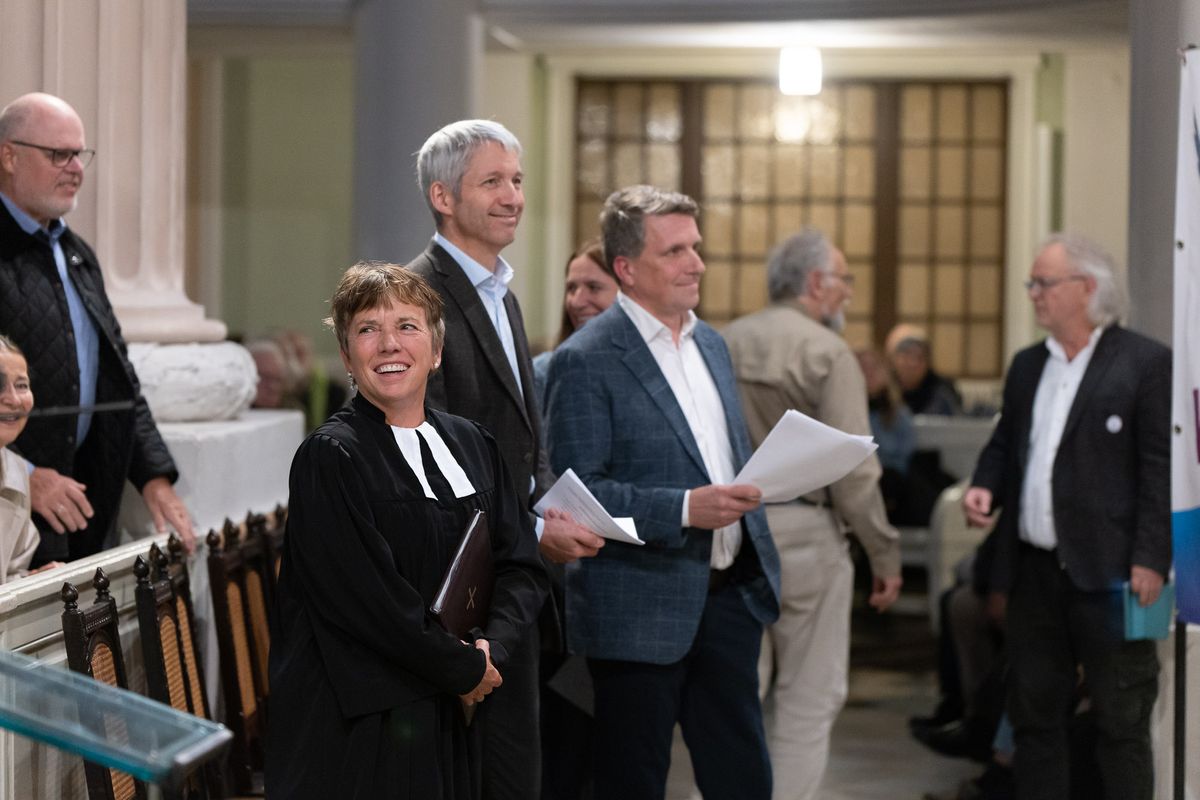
445 155
916 345
1107 304
267 347
623 220
793 260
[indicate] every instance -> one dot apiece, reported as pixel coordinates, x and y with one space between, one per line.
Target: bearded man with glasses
53 305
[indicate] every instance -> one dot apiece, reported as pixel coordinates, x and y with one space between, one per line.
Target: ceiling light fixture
800 70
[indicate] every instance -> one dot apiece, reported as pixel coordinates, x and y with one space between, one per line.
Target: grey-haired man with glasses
1079 471
53 305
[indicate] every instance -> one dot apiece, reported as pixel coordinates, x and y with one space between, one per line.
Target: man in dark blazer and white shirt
470 174
1079 469
643 405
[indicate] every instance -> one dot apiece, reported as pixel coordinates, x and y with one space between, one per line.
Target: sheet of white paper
569 494
800 455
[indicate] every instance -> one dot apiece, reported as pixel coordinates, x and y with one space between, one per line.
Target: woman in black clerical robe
367 691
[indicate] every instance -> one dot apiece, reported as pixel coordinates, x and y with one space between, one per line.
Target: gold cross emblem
471 597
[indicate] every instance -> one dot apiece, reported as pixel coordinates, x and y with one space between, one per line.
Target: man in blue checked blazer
643 405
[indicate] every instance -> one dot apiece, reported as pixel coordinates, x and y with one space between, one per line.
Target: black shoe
946 712
960 739
996 783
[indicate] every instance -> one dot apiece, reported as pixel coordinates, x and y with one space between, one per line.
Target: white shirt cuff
687 495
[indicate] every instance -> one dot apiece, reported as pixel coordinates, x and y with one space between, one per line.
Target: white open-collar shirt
1051 405
696 392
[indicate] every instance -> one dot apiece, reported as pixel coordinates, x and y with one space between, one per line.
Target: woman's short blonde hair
371 284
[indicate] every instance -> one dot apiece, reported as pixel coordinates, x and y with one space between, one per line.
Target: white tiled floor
872 755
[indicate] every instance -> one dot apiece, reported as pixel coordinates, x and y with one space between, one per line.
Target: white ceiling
556 25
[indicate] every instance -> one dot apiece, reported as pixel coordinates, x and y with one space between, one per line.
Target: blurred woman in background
590 289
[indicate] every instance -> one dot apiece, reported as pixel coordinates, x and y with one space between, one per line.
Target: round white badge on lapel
1114 424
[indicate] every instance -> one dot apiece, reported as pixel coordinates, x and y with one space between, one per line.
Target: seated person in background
310 386
912 479
925 391
971 681
18 535
272 367
591 288
891 421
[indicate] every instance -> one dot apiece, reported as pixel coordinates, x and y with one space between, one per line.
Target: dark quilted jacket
121 444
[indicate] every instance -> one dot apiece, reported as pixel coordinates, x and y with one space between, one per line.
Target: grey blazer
475 380
614 420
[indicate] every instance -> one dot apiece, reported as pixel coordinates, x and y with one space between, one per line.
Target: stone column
1156 29
121 64
417 69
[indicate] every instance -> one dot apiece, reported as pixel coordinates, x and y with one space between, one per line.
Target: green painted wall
288 174
1051 93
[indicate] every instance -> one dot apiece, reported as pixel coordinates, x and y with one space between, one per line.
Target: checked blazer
614 419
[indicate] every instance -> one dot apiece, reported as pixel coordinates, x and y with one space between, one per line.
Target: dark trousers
1053 628
712 693
512 750
566 728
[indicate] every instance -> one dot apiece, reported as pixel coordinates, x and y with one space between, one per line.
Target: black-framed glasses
60 157
1042 284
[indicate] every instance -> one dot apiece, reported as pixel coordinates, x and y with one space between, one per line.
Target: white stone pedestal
226 468
195 382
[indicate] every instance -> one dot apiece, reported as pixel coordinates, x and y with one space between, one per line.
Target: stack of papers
569 494
801 455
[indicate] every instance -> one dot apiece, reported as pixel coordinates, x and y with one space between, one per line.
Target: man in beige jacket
790 355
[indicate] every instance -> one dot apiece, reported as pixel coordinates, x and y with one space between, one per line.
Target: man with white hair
1078 467
789 355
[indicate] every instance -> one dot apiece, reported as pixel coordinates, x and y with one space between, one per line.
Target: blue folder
1152 621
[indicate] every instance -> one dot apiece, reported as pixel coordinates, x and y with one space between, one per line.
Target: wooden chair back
260 585
158 619
245 712
174 569
93 644
167 675
275 537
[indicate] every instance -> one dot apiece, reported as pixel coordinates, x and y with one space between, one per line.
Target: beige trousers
806 654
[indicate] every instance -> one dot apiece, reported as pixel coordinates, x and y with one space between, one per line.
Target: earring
353 383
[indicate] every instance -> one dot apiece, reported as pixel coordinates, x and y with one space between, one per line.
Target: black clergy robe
364 684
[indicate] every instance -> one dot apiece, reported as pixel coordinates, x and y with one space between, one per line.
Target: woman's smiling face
389 351
16 397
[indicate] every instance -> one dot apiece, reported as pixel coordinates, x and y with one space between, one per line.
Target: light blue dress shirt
491 287
87 339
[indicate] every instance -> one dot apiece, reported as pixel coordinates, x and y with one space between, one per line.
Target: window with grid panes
907 178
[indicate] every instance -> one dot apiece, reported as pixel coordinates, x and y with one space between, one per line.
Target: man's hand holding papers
564 540
568 494
801 455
